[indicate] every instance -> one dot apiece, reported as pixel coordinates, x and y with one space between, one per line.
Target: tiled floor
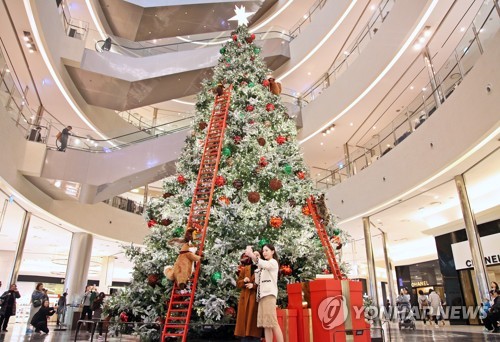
421 334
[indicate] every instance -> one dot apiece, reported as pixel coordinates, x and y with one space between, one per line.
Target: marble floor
423 333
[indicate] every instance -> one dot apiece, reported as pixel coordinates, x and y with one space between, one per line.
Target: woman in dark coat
8 308
39 320
246 319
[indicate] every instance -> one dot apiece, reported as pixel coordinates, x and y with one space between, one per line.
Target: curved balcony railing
169 45
349 55
484 26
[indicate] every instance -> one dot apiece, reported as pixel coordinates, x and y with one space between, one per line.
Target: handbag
37 303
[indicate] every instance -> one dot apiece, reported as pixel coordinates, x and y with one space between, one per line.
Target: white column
106 276
77 271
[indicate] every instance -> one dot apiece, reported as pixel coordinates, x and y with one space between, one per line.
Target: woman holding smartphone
267 291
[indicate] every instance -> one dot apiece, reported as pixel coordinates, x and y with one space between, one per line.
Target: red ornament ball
301 175
263 162
224 199
235 37
251 121
202 125
269 107
220 181
181 179
326 271
252 36
275 184
166 222
286 270
151 223
265 83
230 311
153 280
261 141
124 317
280 139
238 184
250 108
276 221
253 197
237 139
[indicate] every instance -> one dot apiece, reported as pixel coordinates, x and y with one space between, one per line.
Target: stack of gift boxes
324 310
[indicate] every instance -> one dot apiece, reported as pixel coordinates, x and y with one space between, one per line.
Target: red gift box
287 319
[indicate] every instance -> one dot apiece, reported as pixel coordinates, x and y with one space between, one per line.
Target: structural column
474 239
20 248
106 276
372 276
77 271
388 268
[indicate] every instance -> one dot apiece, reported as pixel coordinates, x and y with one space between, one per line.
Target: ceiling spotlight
427 31
324 134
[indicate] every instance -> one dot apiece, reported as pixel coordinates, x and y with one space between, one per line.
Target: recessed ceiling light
373 7
374 127
134 190
462 29
350 124
427 32
57 184
305 16
424 89
321 144
324 134
309 74
417 46
412 87
436 197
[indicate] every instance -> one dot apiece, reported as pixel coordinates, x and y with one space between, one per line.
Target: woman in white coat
435 305
267 291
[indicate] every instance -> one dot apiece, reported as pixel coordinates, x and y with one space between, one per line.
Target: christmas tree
260 197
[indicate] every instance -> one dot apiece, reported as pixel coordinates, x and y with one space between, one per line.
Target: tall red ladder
325 240
181 304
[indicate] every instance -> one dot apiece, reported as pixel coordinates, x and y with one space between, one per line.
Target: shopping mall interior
395 102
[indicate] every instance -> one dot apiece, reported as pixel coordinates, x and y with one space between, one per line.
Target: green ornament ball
336 232
226 151
187 202
287 169
251 84
222 51
242 115
164 281
178 232
216 277
263 242
228 59
256 50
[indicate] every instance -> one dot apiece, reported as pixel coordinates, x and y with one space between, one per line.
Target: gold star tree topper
241 15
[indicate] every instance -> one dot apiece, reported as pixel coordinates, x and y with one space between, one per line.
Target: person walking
435 306
61 308
423 305
8 307
39 320
37 298
97 307
246 319
267 291
88 299
63 137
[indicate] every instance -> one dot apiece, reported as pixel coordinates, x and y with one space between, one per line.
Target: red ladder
325 240
181 304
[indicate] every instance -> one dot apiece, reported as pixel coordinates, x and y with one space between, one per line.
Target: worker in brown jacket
246 319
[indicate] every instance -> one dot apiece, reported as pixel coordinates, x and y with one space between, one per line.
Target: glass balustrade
470 47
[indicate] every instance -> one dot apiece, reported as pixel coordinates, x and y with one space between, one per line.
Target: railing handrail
296 27
425 96
206 40
332 69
